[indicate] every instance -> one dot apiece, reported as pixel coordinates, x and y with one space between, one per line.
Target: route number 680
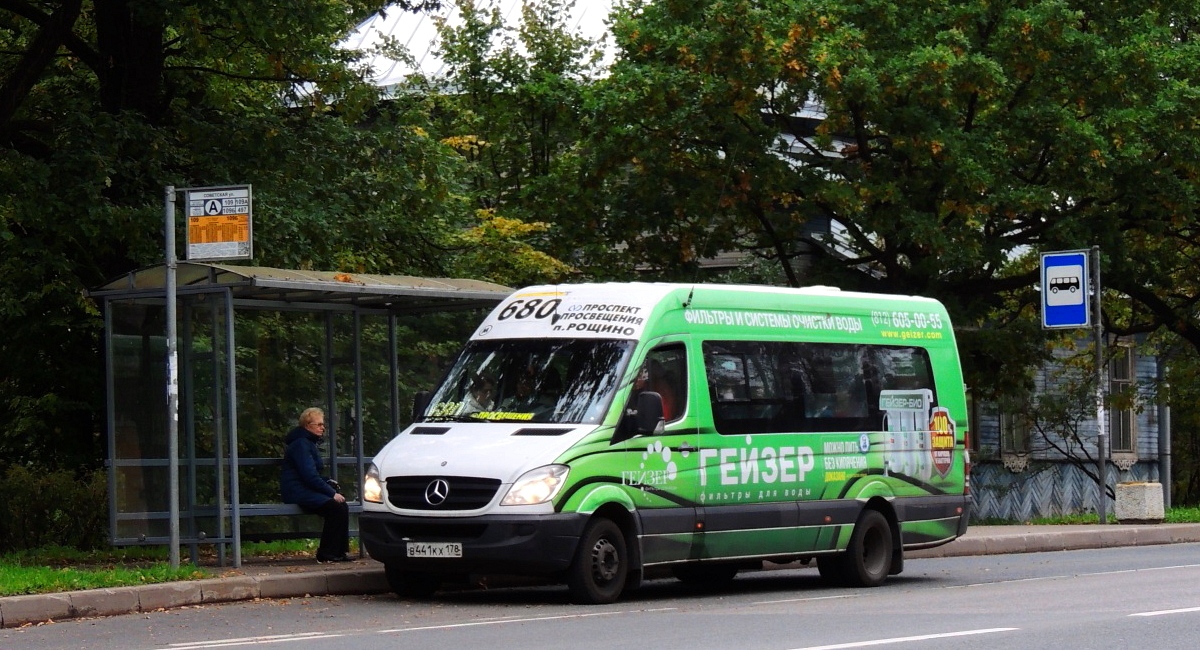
535 308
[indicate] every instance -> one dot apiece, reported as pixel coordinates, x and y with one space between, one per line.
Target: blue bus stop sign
1065 289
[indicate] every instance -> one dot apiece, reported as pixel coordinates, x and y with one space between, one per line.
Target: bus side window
665 372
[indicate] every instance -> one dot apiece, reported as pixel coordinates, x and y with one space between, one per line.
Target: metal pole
111 421
331 419
235 463
1101 428
216 325
172 381
393 377
1164 432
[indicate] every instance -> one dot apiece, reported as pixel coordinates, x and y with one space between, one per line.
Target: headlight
536 486
372 488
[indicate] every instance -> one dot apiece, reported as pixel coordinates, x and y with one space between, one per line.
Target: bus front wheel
601 564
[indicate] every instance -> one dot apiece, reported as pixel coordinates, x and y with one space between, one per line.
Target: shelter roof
399 293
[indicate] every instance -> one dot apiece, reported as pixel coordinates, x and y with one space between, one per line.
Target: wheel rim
605 560
875 555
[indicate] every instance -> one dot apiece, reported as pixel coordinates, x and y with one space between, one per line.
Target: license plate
434 549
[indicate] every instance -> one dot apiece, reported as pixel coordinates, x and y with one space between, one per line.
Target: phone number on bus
907 319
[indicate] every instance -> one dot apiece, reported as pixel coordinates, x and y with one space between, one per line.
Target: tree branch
37 58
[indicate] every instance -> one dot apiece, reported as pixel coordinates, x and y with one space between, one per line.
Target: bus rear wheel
867 560
598 572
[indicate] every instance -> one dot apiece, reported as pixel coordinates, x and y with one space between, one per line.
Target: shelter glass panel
140 486
204 415
280 371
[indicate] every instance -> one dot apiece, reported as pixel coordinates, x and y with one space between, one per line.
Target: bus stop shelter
256 345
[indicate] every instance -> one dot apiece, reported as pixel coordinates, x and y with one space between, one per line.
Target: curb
1000 540
16 611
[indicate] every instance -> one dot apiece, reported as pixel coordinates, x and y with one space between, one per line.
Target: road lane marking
534 619
803 600
1005 582
907 639
1168 568
1163 612
252 640
1075 575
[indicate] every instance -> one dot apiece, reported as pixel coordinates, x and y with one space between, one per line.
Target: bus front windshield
533 380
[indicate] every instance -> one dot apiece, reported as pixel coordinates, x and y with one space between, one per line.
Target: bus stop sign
1065 289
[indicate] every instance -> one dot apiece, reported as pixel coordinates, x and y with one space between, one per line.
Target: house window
1121 389
1014 433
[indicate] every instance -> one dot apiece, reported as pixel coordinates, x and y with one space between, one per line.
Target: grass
1185 515
57 568
18 580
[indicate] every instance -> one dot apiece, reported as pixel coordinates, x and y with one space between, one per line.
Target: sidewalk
300 578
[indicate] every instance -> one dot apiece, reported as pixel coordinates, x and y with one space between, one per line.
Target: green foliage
1184 397
52 568
1063 520
52 507
944 142
18 580
1182 515
128 98
1177 515
511 104
946 145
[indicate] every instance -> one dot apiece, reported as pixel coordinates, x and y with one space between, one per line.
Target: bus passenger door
661 468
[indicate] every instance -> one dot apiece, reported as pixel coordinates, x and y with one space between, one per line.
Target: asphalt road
1128 597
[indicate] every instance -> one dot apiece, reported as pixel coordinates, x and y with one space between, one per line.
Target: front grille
464 493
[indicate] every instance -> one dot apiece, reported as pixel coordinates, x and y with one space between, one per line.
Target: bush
43 507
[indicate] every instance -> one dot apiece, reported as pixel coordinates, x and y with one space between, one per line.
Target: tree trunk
129 36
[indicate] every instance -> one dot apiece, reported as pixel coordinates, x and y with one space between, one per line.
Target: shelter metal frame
228 289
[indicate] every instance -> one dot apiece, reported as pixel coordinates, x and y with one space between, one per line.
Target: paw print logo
657 450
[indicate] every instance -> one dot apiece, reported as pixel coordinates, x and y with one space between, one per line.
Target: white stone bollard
1139 503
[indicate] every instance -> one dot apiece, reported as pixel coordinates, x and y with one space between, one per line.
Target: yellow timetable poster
219 225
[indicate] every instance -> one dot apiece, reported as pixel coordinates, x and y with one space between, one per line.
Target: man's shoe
337 558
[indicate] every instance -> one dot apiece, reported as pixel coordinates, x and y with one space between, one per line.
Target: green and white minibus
590 432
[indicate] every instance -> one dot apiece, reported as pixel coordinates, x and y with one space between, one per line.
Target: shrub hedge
52 507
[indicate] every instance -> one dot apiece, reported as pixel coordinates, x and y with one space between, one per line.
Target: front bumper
519 545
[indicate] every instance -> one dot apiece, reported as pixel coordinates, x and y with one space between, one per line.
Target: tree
510 103
103 103
944 142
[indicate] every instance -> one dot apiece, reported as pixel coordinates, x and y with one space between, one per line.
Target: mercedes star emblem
436 492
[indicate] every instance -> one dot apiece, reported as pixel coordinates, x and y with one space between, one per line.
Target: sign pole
1065 279
172 382
1101 428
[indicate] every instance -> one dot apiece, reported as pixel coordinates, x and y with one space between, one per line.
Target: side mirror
649 415
420 403
644 417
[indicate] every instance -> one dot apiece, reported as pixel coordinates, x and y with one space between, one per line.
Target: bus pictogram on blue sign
1065 289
